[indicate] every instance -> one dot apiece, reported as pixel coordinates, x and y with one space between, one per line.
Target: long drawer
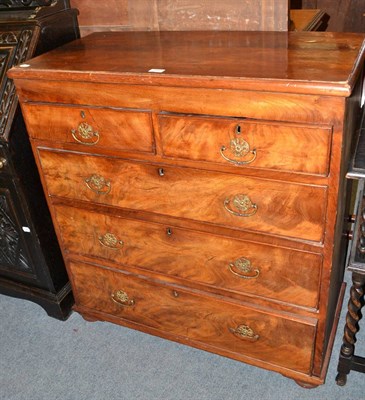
99 128
247 143
232 265
237 202
214 322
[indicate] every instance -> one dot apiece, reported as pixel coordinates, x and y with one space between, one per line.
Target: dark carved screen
20 4
14 48
11 246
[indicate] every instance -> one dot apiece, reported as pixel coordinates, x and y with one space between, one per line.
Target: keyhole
161 172
238 129
82 113
169 231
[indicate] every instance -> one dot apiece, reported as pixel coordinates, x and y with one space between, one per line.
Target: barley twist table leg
353 317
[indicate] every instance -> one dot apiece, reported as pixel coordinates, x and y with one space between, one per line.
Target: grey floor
45 359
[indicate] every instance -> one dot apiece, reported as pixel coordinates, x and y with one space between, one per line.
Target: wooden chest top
294 62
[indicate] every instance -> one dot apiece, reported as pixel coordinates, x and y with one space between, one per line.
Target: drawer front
92 127
214 323
228 264
237 202
243 143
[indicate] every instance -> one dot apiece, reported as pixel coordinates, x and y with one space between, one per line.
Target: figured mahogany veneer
193 256
98 127
282 208
205 204
272 145
196 317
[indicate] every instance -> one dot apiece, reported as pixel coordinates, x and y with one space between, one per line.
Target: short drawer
247 143
233 201
93 127
214 322
220 262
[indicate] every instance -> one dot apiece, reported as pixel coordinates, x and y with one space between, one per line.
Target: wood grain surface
282 341
283 208
277 146
102 128
274 58
193 256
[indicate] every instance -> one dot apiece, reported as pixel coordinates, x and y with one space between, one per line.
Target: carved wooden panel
21 3
12 253
15 48
4 58
31 266
271 15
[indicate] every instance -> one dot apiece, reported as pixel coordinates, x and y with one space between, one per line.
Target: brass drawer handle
243 204
3 162
110 241
98 184
85 134
240 148
121 298
243 269
245 332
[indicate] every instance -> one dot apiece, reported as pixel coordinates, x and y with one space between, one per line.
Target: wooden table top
299 62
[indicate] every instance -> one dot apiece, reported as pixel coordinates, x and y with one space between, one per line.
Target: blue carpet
45 359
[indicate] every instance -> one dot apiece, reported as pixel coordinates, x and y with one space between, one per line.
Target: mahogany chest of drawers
196 184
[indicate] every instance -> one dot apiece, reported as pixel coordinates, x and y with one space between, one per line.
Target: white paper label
157 70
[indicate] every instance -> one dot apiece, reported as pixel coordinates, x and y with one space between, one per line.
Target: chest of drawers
205 203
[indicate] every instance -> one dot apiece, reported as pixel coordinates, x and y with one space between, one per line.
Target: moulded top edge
296 62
